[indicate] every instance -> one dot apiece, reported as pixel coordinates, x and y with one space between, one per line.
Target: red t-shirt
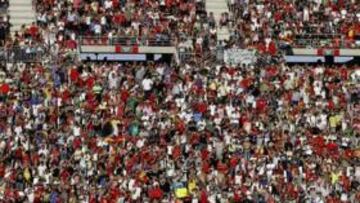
119 19
71 44
205 167
331 105
271 71
221 167
33 30
124 94
66 95
176 153
4 88
90 82
180 126
245 83
155 193
74 74
76 143
168 3
278 16
261 104
233 161
115 3
201 107
272 49
261 48
203 197
2 170
344 73
204 154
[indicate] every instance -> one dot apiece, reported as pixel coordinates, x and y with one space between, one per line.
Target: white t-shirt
306 16
357 172
76 131
88 20
147 84
97 29
41 170
136 193
103 20
108 4
322 121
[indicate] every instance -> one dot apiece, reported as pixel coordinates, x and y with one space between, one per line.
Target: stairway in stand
21 13
217 7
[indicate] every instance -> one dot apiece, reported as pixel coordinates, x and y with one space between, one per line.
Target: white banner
237 56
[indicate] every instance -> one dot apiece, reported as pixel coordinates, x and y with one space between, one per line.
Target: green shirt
97 89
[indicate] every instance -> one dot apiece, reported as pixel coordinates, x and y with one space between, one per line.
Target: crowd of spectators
157 132
255 21
161 22
185 22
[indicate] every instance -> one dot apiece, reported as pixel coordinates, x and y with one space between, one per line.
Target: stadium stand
21 12
142 101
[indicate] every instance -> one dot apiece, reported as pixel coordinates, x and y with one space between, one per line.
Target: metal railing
318 36
335 40
208 57
23 54
128 41
185 55
327 41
